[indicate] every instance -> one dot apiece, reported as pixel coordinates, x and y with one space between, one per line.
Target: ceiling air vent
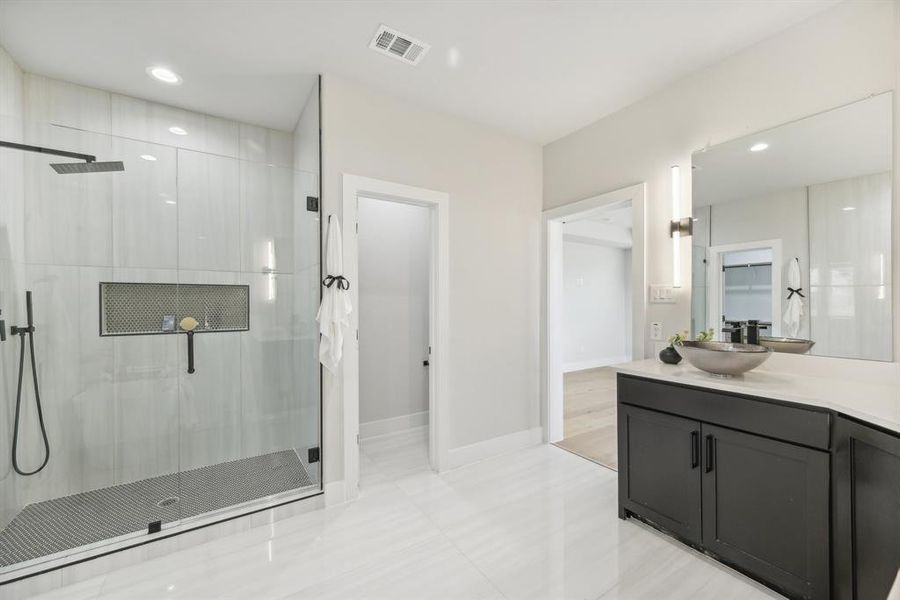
391 42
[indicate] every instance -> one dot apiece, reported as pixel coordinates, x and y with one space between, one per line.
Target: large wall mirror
792 229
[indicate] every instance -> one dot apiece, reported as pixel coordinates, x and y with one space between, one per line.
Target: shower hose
37 396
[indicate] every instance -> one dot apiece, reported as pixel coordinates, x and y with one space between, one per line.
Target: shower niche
157 308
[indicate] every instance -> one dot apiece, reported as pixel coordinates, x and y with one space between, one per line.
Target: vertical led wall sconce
679 227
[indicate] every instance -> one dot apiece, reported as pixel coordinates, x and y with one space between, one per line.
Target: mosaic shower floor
52 526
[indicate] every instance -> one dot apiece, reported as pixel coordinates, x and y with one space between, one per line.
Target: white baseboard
594 363
465 455
337 492
392 425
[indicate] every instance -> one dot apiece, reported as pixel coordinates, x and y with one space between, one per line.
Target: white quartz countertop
860 389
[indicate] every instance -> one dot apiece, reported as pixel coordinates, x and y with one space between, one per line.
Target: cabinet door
765 509
866 484
659 470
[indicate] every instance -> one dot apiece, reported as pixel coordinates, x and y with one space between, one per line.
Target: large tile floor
589 419
538 523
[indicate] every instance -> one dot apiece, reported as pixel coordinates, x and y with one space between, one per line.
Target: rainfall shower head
88 167
90 164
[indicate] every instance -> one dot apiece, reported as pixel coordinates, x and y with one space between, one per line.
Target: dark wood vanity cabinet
765 509
865 511
729 487
661 478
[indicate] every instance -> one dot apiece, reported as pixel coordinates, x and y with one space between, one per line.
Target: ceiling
846 142
537 69
604 226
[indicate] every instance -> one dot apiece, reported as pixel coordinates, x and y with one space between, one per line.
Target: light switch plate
656 332
662 294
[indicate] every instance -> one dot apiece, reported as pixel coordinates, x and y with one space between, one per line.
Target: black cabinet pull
695 449
710 449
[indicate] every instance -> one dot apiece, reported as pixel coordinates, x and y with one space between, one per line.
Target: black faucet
735 330
753 332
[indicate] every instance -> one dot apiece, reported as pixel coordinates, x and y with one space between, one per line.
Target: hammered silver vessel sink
723 358
786 344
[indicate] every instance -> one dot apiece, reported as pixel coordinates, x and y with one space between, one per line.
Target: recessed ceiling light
149 157
177 130
171 202
848 208
163 74
758 147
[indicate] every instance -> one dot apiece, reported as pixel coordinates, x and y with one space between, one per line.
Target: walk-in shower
162 370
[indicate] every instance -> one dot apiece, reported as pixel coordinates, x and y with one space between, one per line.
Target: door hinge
312 455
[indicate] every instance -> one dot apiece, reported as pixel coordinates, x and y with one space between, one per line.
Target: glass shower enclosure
174 333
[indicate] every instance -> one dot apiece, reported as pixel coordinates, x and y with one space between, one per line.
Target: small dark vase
669 356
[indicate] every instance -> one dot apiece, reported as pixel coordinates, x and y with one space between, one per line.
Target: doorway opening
394 348
595 299
744 284
394 373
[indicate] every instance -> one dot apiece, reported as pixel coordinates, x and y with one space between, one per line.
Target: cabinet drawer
761 416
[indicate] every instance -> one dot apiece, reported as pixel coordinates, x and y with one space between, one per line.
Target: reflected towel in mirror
794 310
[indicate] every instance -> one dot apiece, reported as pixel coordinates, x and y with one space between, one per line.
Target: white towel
794 310
334 312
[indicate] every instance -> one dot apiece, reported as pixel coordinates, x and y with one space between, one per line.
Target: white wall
494 184
394 252
837 57
596 326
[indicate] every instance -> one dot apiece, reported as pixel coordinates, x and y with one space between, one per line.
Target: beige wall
839 56
494 183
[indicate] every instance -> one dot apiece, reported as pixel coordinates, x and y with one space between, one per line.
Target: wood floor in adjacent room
590 415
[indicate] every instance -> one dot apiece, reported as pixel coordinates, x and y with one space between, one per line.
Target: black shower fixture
90 164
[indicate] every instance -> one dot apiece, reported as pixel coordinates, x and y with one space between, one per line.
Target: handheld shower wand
22 332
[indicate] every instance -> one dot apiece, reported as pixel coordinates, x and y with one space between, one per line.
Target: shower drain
168 501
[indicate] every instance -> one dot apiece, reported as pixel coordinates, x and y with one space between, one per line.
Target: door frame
714 282
437 202
552 393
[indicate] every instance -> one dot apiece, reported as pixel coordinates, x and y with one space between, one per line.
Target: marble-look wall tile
208 212
270 401
267 217
75 377
62 103
68 218
150 121
11 87
12 163
306 355
12 281
850 231
850 267
222 136
210 398
270 146
12 193
147 405
145 207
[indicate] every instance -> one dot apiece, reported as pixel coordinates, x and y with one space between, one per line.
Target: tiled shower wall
222 204
12 250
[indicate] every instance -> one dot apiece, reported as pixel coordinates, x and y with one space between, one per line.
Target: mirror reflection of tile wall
817 190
